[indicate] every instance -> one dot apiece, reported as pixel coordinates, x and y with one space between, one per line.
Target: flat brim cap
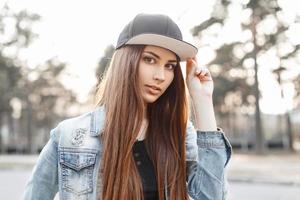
156 30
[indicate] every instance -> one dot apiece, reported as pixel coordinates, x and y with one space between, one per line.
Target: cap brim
183 49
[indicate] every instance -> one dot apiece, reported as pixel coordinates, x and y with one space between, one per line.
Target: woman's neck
143 130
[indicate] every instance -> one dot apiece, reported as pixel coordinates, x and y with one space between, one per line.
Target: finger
195 59
191 65
203 74
201 71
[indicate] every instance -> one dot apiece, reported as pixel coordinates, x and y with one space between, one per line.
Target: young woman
138 143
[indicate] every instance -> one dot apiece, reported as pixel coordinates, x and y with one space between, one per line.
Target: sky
77 32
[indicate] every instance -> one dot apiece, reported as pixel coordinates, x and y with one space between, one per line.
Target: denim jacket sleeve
206 178
43 183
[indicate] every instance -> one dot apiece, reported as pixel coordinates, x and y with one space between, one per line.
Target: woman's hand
198 79
201 86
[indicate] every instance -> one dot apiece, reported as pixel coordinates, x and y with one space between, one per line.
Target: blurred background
53 53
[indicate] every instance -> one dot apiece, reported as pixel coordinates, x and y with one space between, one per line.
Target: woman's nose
159 74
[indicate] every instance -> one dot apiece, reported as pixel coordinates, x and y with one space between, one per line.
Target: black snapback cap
157 30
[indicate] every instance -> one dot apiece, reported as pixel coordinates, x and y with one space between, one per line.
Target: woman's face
156 72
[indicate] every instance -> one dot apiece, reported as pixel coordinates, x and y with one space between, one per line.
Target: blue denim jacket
69 162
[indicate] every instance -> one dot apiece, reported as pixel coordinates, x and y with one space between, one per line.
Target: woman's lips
153 89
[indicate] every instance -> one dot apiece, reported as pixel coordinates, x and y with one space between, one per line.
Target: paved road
12 184
259 191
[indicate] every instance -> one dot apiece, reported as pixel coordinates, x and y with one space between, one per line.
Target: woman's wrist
198 92
204 113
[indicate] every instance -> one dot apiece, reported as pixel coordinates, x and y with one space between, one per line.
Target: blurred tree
297 89
44 100
104 62
9 75
262 30
103 65
15 29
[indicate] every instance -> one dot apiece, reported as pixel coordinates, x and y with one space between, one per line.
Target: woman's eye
170 66
149 60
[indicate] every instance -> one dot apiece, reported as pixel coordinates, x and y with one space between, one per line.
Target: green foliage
17 27
46 95
227 59
104 62
44 99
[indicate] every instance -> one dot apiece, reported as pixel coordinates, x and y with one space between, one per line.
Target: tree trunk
259 139
28 125
289 131
1 140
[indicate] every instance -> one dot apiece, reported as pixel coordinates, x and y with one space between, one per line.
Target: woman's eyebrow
157 56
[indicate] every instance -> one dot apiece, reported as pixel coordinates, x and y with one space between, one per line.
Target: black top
146 170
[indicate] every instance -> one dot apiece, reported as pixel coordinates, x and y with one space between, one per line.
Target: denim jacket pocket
77 171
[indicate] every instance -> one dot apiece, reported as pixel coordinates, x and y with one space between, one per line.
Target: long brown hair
166 131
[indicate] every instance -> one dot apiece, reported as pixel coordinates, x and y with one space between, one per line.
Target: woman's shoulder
71 129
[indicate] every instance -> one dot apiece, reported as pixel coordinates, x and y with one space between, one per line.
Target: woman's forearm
200 85
204 113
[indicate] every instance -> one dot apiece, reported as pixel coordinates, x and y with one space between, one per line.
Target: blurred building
240 129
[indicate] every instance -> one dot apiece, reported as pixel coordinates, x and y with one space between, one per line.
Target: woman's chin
148 98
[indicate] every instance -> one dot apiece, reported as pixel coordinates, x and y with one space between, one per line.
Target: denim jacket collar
97 121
